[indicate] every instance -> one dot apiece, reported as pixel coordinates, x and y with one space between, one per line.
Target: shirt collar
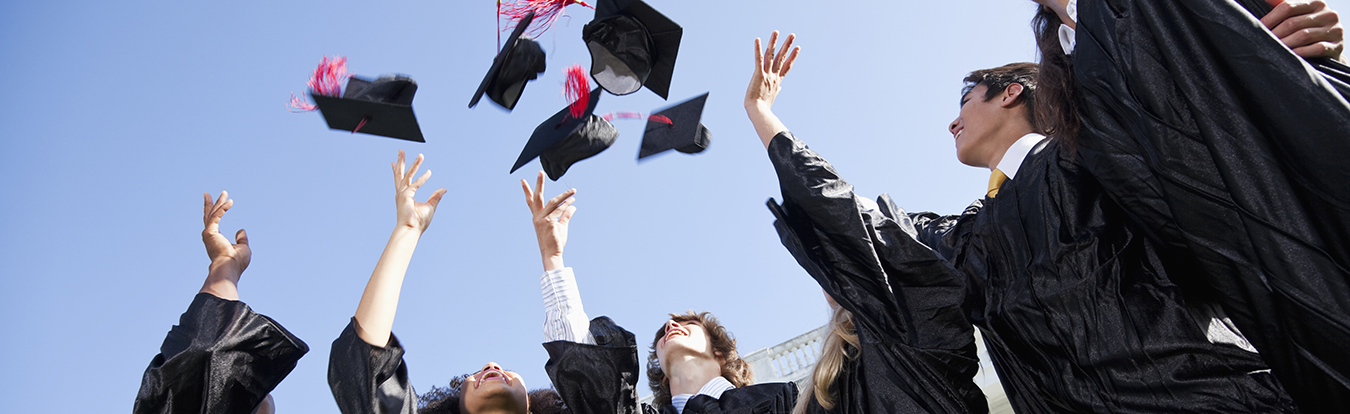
714 388
1012 159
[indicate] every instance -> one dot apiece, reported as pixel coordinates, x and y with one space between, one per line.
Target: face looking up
683 339
494 389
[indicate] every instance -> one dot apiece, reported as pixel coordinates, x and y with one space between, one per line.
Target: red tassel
327 80
577 90
545 13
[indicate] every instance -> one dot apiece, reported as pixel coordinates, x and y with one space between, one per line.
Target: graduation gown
366 379
221 358
766 398
1076 312
598 378
1222 143
916 350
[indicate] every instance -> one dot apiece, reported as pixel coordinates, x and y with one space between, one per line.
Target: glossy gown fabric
221 358
766 398
1077 313
917 351
1224 144
598 378
367 379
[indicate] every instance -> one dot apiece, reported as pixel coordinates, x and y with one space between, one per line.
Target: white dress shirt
1012 159
714 388
564 317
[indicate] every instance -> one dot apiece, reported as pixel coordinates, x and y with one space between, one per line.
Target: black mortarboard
564 139
685 133
632 45
381 107
521 60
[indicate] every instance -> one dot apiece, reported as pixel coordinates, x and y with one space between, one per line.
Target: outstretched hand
222 252
1308 27
411 213
550 220
770 68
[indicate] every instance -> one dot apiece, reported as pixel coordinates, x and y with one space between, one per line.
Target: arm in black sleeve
221 358
600 378
366 379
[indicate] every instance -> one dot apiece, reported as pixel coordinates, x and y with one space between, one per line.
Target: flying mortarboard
381 107
684 132
521 60
632 45
563 139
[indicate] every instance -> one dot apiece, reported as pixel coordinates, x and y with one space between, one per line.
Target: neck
688 374
1007 138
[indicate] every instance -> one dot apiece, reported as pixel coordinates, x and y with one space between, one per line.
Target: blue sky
120 114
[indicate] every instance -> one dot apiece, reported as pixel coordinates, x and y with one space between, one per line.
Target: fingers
1287 11
422 180
787 65
529 195
240 237
206 207
412 172
556 201
1318 19
782 53
435 199
398 169
1319 49
567 215
759 57
217 210
768 52
539 188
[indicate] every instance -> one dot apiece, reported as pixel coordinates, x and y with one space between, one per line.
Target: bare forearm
222 280
766 123
379 302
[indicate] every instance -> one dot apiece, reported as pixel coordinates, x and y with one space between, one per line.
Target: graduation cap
684 132
563 139
632 45
521 60
381 107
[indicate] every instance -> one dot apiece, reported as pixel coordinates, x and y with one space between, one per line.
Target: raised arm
379 302
765 83
564 317
228 260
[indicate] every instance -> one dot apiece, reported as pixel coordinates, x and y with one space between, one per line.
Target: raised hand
1308 27
770 68
550 220
411 213
228 259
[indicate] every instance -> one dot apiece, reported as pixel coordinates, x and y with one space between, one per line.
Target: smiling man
1076 313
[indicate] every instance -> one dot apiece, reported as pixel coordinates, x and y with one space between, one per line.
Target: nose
671 324
492 365
952 127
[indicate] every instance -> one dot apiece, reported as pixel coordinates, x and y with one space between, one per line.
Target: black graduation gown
766 398
917 351
1077 313
598 378
366 379
1223 144
221 358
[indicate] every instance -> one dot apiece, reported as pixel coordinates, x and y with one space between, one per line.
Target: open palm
412 213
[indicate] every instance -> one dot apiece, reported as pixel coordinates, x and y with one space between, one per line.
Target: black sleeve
366 379
220 358
600 378
865 254
1227 148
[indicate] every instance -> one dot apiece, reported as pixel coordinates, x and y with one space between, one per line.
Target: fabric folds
366 379
600 378
1222 143
221 358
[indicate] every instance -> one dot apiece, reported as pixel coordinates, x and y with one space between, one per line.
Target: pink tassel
327 80
545 13
577 90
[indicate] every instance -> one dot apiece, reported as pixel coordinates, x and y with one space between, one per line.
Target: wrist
553 262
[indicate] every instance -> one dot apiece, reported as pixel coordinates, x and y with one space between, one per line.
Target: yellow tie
996 179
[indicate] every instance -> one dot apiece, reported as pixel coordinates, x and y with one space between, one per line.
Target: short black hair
998 79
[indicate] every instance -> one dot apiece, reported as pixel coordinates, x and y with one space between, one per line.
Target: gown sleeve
599 378
1221 143
902 293
221 358
366 379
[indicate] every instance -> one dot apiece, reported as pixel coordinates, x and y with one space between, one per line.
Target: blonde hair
832 356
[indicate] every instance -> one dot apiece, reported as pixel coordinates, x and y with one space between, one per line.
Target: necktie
996 179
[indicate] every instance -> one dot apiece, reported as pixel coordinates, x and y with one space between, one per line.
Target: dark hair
446 400
998 79
734 369
1057 109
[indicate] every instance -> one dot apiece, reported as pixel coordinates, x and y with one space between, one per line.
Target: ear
1010 95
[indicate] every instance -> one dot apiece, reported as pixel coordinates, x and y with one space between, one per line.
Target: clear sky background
118 115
